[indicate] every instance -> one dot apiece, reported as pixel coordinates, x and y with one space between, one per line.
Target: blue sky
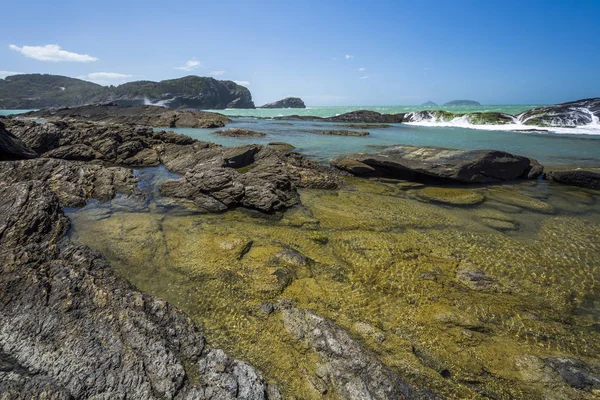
327 52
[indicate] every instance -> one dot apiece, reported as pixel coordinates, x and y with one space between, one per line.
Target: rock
288 102
475 118
440 164
587 178
73 182
72 329
154 116
351 370
574 113
353 166
11 147
266 308
239 132
366 116
462 103
366 126
292 257
341 133
475 279
281 146
429 104
576 373
239 157
455 197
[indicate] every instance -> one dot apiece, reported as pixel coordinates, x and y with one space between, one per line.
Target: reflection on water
465 293
550 149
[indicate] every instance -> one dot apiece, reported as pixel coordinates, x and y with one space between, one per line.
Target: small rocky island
462 103
288 102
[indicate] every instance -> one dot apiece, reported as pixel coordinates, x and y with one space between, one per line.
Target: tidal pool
464 291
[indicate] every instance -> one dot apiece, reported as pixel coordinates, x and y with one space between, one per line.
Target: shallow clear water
550 149
337 110
13 112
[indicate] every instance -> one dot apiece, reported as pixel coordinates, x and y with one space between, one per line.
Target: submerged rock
435 163
72 329
456 197
587 178
239 132
341 132
288 102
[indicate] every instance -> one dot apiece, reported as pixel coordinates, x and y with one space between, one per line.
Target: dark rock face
352 370
434 163
71 329
29 91
11 147
577 177
111 113
239 132
288 102
575 113
462 103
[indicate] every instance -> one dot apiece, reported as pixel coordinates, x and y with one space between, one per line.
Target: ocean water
337 110
552 149
13 112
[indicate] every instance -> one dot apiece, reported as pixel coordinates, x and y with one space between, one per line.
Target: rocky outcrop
440 164
475 118
11 147
462 103
337 132
31 91
69 328
587 178
288 102
352 371
574 113
360 116
429 104
112 113
239 132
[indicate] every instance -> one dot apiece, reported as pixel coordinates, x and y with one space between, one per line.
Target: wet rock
366 126
292 257
476 279
11 147
239 132
282 146
340 132
352 371
353 166
288 102
575 113
587 178
366 116
576 373
455 197
433 163
72 329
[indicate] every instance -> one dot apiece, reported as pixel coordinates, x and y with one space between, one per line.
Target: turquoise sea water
332 111
549 148
12 112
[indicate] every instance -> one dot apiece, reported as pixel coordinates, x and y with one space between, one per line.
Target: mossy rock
455 197
281 146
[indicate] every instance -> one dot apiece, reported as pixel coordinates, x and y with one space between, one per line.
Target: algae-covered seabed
464 291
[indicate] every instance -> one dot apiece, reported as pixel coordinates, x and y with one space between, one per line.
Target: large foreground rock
112 113
435 163
587 178
69 328
288 102
11 147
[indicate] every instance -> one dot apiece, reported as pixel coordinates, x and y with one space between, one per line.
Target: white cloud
364 77
242 83
4 74
217 73
106 78
348 56
51 52
190 65
362 69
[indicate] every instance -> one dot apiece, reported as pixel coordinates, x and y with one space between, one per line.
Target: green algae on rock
455 197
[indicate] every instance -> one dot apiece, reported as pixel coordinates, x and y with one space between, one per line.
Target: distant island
429 104
191 92
462 103
288 102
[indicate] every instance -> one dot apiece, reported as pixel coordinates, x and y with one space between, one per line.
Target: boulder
72 329
288 102
587 178
239 132
441 164
11 147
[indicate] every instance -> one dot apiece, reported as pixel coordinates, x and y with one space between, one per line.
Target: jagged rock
435 163
587 178
74 182
69 328
112 113
288 102
574 113
353 371
11 147
239 132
